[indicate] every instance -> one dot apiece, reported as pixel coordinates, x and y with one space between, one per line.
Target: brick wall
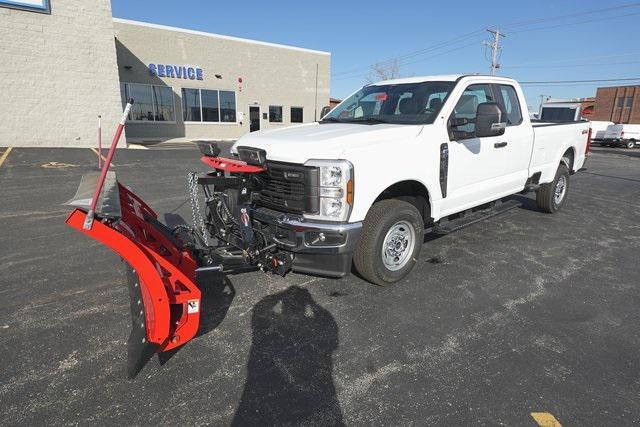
58 73
607 104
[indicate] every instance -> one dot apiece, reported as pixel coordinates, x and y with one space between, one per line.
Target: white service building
64 62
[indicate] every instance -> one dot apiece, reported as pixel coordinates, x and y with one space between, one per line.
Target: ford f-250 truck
361 187
401 156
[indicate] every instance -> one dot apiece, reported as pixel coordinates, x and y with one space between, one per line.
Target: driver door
473 171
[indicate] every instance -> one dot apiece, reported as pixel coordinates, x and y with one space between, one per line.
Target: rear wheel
630 144
390 244
551 197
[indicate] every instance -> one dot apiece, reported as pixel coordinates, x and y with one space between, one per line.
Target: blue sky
542 43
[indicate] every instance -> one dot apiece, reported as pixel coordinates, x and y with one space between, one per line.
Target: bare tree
384 71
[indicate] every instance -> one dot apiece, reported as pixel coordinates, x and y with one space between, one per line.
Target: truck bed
551 140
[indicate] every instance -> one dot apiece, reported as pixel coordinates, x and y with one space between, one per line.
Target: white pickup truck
401 157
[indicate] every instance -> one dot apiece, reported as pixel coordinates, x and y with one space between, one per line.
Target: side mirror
489 122
325 110
459 121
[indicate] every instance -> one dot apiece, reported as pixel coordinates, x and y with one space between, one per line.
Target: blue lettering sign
175 71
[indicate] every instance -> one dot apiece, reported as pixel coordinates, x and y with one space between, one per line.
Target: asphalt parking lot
526 312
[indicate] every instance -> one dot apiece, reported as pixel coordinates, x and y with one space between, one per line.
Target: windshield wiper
368 120
331 120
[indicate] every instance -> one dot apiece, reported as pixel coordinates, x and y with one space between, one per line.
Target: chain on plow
198 221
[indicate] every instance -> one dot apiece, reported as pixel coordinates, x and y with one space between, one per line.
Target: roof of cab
441 78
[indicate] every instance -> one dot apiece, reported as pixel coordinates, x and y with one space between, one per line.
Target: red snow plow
163 261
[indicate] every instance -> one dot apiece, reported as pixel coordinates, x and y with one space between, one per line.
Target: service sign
176 71
41 6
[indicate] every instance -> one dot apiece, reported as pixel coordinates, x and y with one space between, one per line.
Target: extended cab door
513 159
487 168
473 170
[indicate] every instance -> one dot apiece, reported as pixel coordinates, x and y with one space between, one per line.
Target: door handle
500 144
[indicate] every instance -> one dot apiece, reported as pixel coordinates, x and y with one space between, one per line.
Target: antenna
495 48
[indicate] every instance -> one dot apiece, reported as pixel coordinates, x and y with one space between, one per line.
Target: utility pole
495 48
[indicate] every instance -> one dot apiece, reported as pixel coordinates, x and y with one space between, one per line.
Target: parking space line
545 419
98 154
5 155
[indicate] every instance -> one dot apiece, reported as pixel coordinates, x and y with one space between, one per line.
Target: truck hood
297 144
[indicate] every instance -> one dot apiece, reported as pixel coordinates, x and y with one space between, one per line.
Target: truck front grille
289 188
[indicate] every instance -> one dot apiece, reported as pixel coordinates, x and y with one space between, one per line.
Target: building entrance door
254 118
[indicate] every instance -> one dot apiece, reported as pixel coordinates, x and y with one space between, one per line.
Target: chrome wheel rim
561 190
398 245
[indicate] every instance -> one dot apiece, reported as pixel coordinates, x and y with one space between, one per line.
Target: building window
275 114
296 114
152 103
212 106
227 106
620 102
191 105
629 102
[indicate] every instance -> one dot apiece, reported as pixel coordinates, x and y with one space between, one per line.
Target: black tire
546 194
368 257
630 144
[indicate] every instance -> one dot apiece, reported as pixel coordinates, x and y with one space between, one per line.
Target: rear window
558 114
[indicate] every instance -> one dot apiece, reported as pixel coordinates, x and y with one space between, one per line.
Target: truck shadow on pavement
289 372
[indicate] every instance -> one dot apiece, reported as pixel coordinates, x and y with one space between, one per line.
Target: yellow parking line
5 155
545 419
98 154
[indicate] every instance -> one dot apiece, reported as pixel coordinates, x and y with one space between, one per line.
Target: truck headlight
336 189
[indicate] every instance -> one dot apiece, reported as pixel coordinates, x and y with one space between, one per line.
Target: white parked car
623 135
598 128
401 157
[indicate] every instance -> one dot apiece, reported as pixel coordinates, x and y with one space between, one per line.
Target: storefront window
227 106
151 103
296 114
163 104
191 105
210 109
205 105
275 114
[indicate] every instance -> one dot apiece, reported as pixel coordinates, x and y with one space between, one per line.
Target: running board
473 217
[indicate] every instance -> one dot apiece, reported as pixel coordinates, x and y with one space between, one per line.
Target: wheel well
568 158
410 191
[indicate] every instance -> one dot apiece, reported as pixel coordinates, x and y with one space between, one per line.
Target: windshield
408 103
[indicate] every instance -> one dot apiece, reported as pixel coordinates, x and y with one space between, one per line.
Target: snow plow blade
164 297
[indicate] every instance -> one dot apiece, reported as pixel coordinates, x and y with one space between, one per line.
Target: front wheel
390 244
551 197
631 144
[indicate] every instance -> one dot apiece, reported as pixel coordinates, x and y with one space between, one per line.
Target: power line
414 53
593 64
574 23
580 81
417 61
570 15
456 40
544 63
